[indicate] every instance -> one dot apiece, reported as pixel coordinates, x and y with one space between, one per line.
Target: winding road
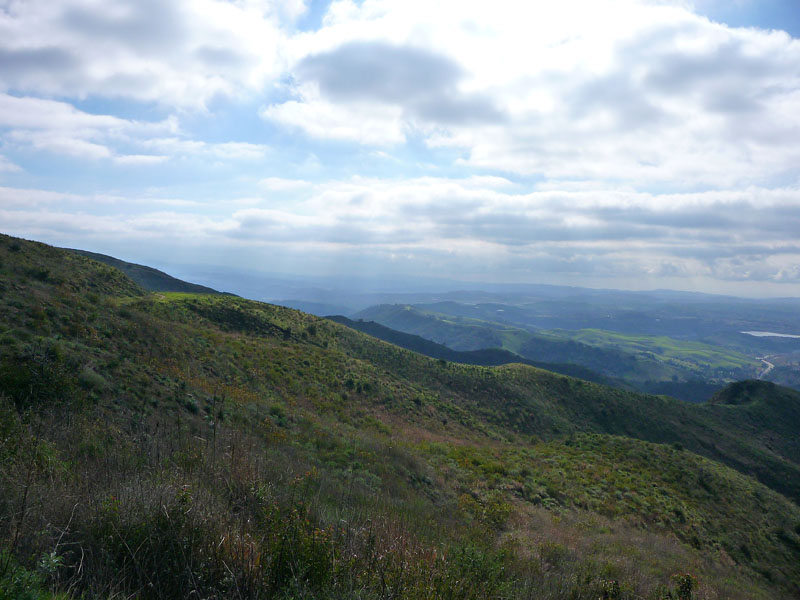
768 366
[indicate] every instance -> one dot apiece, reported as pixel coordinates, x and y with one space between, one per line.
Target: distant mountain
173 445
688 370
488 357
466 334
149 278
319 309
454 331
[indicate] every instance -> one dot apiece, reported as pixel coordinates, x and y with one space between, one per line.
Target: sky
631 144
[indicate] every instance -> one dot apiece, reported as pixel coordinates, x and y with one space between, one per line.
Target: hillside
459 333
149 278
162 445
488 357
713 362
689 370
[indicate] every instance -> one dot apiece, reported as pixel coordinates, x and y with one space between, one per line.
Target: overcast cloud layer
632 143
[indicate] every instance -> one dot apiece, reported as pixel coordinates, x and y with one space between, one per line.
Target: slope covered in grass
168 445
149 278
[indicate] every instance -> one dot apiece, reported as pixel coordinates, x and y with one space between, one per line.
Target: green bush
18 583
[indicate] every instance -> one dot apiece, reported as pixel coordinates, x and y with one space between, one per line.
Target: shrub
90 380
684 583
18 583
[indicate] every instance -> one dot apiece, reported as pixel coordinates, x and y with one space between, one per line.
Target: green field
705 359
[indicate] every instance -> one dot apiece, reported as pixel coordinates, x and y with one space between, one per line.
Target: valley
689 364
163 444
399 300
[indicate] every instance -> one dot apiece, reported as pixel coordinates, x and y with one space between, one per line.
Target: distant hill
149 278
463 333
319 309
456 332
695 391
688 370
174 445
489 357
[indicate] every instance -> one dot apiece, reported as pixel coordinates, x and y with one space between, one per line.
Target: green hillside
487 357
149 278
166 445
711 361
459 333
640 361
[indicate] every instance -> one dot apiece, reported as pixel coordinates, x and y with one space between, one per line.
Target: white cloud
140 159
31 113
233 151
21 198
63 143
181 52
363 123
280 184
440 224
642 92
60 128
239 150
152 226
291 9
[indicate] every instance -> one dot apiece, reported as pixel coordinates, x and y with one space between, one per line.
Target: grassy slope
655 487
168 444
149 278
531 401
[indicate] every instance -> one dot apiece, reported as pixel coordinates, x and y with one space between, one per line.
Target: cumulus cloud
479 230
29 113
354 122
423 83
140 159
234 151
280 184
181 52
643 92
60 128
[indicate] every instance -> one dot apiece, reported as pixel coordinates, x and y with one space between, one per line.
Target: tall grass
109 510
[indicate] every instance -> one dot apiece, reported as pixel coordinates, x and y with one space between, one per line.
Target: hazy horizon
255 284
632 145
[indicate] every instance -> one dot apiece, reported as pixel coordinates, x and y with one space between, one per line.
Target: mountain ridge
483 357
149 278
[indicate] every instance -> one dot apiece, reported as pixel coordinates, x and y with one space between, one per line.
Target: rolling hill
487 357
162 445
689 370
149 278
